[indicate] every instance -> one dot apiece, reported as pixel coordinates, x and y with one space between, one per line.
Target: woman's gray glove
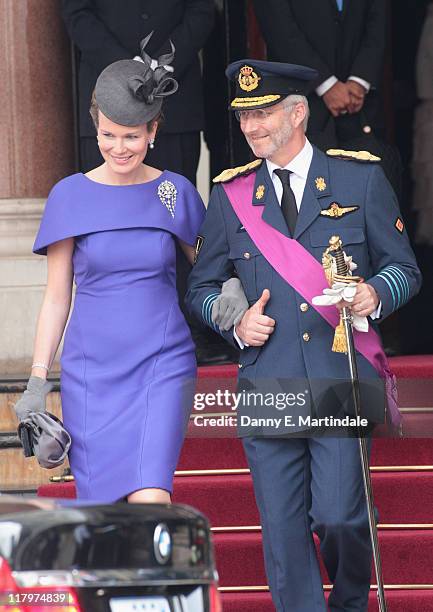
230 306
42 434
33 398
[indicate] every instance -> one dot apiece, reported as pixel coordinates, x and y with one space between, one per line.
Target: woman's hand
33 398
230 306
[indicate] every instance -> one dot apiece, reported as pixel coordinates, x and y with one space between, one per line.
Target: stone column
36 150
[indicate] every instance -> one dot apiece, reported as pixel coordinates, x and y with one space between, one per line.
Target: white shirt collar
299 165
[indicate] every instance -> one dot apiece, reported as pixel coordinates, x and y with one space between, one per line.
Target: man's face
267 130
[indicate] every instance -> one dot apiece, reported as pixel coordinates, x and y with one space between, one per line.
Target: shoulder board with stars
359 156
231 173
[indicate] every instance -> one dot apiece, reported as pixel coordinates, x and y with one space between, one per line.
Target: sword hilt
342 268
336 248
343 273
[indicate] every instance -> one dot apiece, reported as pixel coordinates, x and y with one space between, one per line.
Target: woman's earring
151 144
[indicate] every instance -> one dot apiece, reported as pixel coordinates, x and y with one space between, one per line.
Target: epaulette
360 156
231 173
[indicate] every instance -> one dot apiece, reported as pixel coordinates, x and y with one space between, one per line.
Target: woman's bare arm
55 306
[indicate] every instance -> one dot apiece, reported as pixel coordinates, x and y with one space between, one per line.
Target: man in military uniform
270 222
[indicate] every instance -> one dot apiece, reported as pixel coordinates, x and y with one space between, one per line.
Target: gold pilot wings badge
335 211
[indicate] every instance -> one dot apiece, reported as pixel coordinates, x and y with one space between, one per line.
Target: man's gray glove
230 306
34 397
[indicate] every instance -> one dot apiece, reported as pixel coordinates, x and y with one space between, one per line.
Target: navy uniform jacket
373 234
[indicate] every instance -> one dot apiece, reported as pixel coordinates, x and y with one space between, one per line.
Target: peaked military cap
260 84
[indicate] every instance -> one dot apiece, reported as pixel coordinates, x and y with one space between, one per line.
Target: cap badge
320 183
336 211
167 193
248 79
260 192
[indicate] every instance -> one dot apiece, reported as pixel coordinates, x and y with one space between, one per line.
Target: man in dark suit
105 31
344 40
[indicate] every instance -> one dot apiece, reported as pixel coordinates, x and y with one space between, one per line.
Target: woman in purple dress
128 363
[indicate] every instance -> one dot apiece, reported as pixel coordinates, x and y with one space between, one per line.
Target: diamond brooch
167 193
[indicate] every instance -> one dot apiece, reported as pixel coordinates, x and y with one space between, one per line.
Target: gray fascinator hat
130 92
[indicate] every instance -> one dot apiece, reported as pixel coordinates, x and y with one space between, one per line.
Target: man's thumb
260 305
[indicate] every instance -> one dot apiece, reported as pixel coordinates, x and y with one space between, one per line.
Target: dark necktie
288 202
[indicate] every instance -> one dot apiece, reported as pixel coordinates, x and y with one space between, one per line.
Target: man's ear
299 114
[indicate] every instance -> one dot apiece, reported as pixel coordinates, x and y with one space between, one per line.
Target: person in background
422 199
422 162
105 31
345 42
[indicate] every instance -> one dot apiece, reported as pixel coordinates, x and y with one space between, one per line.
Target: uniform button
144 16
247 255
306 337
304 307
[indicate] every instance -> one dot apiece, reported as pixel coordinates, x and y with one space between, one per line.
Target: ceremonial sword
343 275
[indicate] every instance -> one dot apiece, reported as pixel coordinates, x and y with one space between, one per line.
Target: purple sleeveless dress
128 362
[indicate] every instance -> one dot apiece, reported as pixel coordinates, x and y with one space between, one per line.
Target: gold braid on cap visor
254 101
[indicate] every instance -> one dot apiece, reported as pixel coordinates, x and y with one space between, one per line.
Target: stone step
19 473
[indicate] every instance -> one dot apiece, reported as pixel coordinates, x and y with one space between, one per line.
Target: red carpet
397 601
406 366
223 453
403 552
401 497
404 498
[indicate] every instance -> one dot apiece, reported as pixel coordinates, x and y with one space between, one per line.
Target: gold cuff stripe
254 101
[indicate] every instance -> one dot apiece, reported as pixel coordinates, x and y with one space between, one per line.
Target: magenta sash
305 274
